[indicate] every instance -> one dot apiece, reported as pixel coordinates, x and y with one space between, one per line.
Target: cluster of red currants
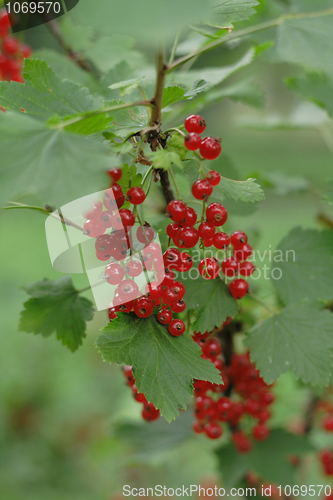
149 412
326 458
210 147
12 52
214 406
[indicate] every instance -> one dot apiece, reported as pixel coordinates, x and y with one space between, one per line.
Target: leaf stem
262 303
175 183
174 48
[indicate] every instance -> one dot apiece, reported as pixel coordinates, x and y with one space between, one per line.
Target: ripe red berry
229 267
92 228
164 316
176 210
213 431
242 252
136 195
112 313
187 237
145 234
139 396
211 348
143 307
238 238
171 258
10 46
206 230
124 218
133 268
169 296
127 290
210 148
192 141
4 23
209 268
115 174
260 432
202 189
213 177
178 288
114 273
114 197
216 214
242 442
150 413
172 229
179 306
152 250
177 327
25 50
154 290
128 373
238 288
328 423
246 268
198 427
186 262
221 241
208 243
195 124
191 217
94 211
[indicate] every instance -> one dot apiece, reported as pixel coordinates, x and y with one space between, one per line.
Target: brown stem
161 67
310 413
166 185
325 220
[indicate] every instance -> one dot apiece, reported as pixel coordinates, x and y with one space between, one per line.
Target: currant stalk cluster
12 52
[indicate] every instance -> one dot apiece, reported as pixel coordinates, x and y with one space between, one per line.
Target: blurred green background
60 412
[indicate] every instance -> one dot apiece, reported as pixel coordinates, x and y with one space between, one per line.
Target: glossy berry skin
172 229
115 174
216 214
186 262
150 413
209 268
202 189
114 273
238 238
221 241
210 148
114 197
191 217
124 218
213 431
211 348
145 234
136 195
152 250
171 258
176 210
128 290
229 267
195 124
187 237
128 373
164 316
206 230
192 141
92 229
246 268
105 219
169 296
133 268
242 252
154 290
208 243
179 306
213 177
238 288
328 423
260 432
95 211
178 288
143 307
112 313
177 327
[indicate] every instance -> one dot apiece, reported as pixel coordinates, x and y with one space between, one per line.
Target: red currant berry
128 290
186 262
216 214
223 408
10 46
177 327
172 229
191 217
210 148
242 252
114 197
127 307
192 141
211 348
209 268
150 413
139 396
238 238
221 241
169 296
143 307
133 268
213 177
260 432
238 288
4 23
187 237
246 268
112 313
115 174
136 195
198 427
179 306
164 316
104 243
171 258
202 189
229 266
328 423
92 229
195 124
114 273
152 250
213 431
169 276
208 243
176 210
124 218
94 211
145 234
242 442
105 219
128 373
178 288
25 51
154 290
206 230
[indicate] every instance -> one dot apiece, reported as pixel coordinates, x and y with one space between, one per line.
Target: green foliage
210 300
164 159
305 260
315 88
127 122
38 160
45 95
269 459
299 338
163 366
172 95
57 307
126 87
176 144
226 12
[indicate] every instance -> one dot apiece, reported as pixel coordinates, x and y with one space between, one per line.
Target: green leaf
304 265
128 121
210 299
126 87
164 158
36 159
109 51
226 12
163 366
172 95
298 338
315 88
328 196
57 307
44 94
130 177
176 144
308 42
263 459
199 87
90 125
